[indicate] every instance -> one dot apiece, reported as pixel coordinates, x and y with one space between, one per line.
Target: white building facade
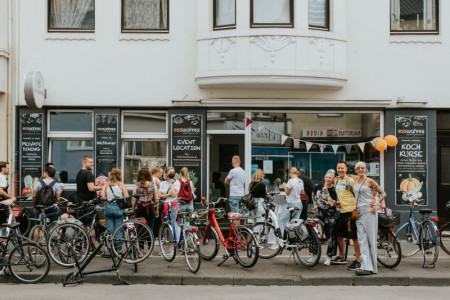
177 82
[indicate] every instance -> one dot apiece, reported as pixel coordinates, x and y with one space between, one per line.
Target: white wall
4 78
108 71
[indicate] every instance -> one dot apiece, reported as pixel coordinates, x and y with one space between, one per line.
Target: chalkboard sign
411 159
106 142
31 149
187 146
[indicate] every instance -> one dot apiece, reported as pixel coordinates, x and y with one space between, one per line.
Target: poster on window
106 143
187 146
31 151
411 159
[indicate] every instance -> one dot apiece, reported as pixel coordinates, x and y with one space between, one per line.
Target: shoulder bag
248 200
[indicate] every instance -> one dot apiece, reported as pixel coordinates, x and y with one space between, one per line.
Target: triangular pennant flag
348 148
373 144
335 147
260 127
308 146
283 139
248 122
361 146
296 144
322 147
271 135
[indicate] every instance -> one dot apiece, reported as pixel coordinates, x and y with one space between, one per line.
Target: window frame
70 134
69 30
122 22
327 16
223 27
273 25
414 32
144 135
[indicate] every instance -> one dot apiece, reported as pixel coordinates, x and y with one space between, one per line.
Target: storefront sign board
106 142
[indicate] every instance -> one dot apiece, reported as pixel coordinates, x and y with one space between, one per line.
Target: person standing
325 204
186 192
236 180
48 180
293 189
258 190
345 225
114 188
367 222
306 197
145 203
168 192
157 177
4 171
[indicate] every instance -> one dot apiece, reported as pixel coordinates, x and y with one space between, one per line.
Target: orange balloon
376 139
391 140
381 145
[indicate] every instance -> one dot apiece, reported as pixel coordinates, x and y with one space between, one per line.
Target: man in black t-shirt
309 186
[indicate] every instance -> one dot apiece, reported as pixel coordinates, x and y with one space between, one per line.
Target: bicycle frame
173 224
411 221
227 243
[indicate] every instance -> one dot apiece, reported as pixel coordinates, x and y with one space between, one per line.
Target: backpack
185 193
46 195
146 202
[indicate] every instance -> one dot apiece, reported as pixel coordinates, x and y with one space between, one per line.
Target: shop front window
138 154
70 121
313 142
148 122
225 120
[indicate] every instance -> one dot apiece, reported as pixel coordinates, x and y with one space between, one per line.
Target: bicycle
187 243
307 249
389 251
22 215
27 262
422 235
445 233
240 244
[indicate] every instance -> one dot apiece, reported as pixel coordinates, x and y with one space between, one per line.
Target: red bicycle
240 243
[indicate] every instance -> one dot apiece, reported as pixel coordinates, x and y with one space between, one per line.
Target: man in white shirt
4 170
236 180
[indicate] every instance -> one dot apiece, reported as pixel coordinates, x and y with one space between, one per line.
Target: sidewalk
276 271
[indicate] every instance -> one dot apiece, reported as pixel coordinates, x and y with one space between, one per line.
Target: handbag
248 200
355 214
123 203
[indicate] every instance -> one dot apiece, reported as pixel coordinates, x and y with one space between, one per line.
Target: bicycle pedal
225 256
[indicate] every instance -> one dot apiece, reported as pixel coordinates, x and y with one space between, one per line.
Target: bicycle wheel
408 241
29 263
429 243
65 237
25 222
209 242
308 251
389 252
38 235
445 238
265 235
134 240
191 251
167 242
247 250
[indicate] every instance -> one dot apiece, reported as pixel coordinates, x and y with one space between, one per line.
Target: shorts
86 215
342 226
234 203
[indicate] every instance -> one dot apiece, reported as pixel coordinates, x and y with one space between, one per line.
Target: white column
301 14
204 16
242 14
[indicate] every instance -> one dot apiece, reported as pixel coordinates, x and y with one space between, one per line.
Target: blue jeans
113 217
186 207
258 212
51 214
234 203
284 218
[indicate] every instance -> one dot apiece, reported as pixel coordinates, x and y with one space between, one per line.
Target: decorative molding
70 36
4 53
272 44
415 39
322 46
222 45
136 37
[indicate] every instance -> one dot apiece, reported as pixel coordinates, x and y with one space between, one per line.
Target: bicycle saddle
128 212
232 215
7 201
425 211
40 206
184 213
12 226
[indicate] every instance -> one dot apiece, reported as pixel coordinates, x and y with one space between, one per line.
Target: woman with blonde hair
114 188
258 190
293 189
325 204
186 193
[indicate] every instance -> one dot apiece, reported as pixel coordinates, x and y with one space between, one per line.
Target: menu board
411 159
106 143
187 145
31 149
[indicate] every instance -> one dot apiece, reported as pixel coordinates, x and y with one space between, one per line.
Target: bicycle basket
385 220
220 213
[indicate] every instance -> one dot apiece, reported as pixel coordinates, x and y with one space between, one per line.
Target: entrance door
222 147
443 175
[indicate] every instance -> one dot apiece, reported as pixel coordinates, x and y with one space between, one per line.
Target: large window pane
272 13
145 15
414 15
67 155
144 122
224 14
318 14
142 153
71 121
72 15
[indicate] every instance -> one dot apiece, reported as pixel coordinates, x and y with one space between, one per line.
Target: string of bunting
378 143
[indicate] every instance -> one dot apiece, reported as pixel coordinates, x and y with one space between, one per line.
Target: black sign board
31 150
411 159
187 145
106 142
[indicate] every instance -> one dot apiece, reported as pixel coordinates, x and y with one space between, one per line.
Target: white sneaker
156 243
274 247
327 261
312 259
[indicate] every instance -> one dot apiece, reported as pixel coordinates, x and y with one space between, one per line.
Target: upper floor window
145 15
414 16
71 15
272 13
319 14
224 14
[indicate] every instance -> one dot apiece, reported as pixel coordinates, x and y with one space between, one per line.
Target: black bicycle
445 232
